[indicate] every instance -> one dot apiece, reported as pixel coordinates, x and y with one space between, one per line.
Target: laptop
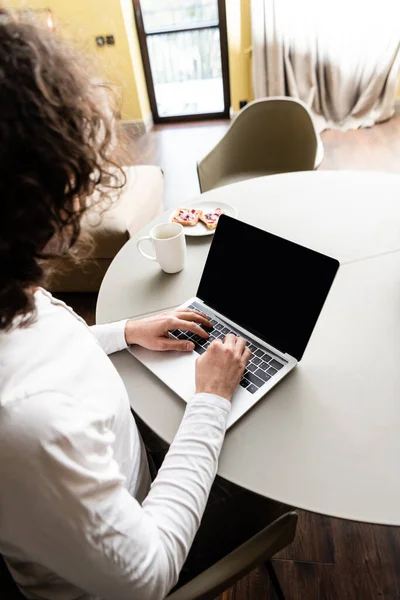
262 287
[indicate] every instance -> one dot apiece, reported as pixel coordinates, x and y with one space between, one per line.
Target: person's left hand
152 332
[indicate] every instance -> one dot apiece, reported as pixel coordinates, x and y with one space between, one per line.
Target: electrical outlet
100 41
110 40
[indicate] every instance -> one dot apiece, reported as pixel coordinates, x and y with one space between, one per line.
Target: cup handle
142 239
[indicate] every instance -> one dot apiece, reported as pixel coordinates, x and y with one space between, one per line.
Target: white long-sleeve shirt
78 519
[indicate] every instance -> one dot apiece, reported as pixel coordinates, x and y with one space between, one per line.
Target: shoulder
36 415
37 422
55 351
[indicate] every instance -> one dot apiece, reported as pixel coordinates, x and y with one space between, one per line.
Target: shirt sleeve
78 520
110 336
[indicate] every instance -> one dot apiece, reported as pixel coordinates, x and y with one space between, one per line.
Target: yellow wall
136 58
239 43
81 21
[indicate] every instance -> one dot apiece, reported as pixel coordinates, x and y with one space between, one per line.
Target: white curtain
341 57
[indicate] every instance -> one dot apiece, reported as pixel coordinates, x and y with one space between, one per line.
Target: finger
230 341
214 344
188 309
240 345
190 326
247 354
177 345
194 315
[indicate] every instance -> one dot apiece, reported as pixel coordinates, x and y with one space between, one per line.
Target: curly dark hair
58 145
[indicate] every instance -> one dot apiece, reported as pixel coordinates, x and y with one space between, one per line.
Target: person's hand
220 368
152 332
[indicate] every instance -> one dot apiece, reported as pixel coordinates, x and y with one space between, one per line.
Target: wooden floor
330 559
177 148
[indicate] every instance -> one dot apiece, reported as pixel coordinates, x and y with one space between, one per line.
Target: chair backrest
258 549
8 588
271 135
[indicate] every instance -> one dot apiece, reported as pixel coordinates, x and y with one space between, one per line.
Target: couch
139 202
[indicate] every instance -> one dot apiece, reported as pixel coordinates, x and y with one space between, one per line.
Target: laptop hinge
238 327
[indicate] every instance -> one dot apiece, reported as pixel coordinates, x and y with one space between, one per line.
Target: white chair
256 552
268 136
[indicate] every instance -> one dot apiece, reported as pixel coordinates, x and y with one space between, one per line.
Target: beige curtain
341 57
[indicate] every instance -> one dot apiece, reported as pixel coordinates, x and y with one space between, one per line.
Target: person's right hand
220 368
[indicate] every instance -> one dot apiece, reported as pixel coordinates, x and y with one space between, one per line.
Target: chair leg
274 580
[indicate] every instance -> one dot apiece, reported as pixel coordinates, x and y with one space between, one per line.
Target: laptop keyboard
260 368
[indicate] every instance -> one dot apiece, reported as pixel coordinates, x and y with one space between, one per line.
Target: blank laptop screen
270 286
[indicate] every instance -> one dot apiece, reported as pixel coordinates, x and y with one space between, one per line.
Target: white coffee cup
169 245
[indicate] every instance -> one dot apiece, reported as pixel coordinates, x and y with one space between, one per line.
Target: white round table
327 438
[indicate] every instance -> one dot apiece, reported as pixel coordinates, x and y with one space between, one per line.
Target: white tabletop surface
327 438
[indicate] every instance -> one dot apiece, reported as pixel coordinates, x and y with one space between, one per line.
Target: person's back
78 517
48 372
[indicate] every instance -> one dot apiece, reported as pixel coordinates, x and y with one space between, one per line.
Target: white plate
206 206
